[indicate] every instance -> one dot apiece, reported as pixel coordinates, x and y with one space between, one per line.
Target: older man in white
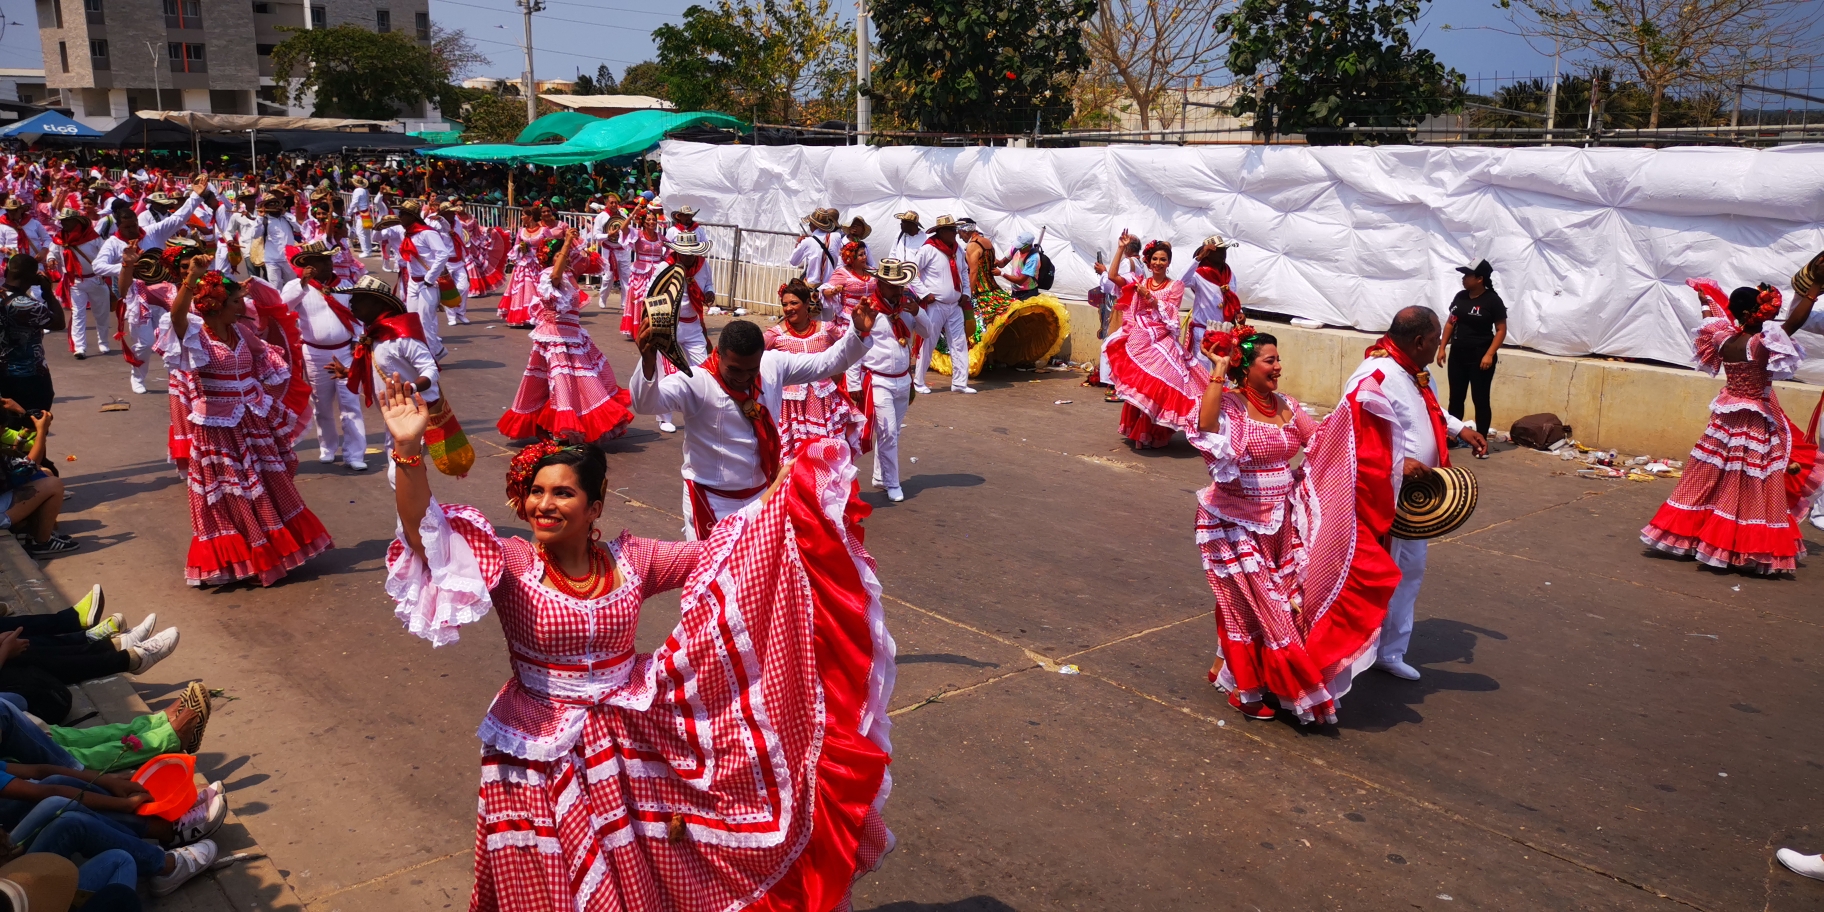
1397 364
731 441
1204 284
423 257
881 382
85 289
819 252
942 286
329 330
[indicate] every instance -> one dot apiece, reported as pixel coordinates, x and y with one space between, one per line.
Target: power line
549 51
625 28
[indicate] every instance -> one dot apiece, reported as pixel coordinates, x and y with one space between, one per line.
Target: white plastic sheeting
1591 247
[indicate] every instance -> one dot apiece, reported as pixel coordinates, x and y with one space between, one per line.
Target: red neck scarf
1222 277
754 410
406 247
690 284
1384 348
346 316
949 252
385 329
890 313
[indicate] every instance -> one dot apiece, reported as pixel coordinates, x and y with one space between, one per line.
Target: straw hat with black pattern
664 298
374 287
823 219
1435 503
299 254
896 272
688 243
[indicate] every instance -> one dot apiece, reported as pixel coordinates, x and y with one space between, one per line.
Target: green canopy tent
614 140
556 126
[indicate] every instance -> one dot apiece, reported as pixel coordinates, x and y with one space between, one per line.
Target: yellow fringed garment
1012 332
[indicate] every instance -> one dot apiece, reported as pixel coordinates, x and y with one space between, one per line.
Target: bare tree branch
1148 47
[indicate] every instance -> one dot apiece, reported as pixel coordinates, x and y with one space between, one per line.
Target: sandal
1112 397
196 699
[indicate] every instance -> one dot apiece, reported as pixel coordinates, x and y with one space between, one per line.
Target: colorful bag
447 295
446 444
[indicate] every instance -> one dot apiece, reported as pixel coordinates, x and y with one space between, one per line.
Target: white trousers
1396 631
421 299
364 236
890 406
1197 331
139 339
86 294
340 429
278 271
950 318
623 259
459 273
721 506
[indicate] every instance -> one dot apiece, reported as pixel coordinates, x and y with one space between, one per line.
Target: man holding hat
1210 286
609 232
1395 370
683 221
423 259
881 382
813 253
443 220
277 230
942 286
361 212
329 330
911 237
134 306
78 285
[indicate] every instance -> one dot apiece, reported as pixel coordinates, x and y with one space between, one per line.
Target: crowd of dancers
745 761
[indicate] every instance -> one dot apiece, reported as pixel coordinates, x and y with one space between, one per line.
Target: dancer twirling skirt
723 771
248 518
1145 360
646 248
569 389
821 408
515 305
1746 487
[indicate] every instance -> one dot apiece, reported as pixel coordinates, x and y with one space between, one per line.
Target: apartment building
110 58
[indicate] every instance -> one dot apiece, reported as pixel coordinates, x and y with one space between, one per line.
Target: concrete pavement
1565 750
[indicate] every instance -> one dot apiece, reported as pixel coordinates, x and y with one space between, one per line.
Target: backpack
1047 273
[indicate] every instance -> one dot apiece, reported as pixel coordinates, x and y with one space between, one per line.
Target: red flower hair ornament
212 291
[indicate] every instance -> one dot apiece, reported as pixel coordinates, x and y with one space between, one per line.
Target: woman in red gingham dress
850 284
515 306
742 765
646 254
821 408
236 456
1294 560
1735 506
1144 357
569 389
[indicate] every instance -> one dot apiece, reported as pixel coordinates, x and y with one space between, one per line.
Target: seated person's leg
57 826
21 741
113 866
35 507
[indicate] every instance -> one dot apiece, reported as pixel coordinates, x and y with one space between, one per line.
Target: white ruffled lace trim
443 590
1783 354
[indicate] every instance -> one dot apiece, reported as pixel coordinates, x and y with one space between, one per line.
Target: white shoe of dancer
666 426
1398 669
896 494
1811 866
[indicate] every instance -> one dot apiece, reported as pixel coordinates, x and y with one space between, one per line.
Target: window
184 14
261 9
229 101
92 10
63 55
264 50
57 12
98 53
383 21
422 22
319 17
186 58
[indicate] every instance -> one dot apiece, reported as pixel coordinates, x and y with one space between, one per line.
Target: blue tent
50 123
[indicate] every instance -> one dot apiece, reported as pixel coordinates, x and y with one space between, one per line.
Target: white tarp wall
1591 247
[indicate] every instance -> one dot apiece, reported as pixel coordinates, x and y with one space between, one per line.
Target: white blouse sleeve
1217 449
449 585
1783 354
188 353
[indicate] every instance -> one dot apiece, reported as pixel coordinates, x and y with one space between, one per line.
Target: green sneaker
89 610
109 626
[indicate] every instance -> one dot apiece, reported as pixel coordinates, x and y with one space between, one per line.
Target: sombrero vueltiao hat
68 213
895 272
943 221
387 221
1435 503
689 244
858 229
663 299
823 219
164 200
296 254
1218 242
375 287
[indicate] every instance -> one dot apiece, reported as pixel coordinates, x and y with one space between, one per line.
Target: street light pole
864 106
529 86
158 103
1551 98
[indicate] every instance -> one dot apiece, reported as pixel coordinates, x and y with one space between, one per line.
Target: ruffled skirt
569 391
245 510
515 305
633 297
1732 509
814 416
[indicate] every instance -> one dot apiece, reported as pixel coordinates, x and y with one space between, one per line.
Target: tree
458 52
966 66
604 80
767 61
1666 43
646 78
491 116
585 85
1320 66
1153 46
356 73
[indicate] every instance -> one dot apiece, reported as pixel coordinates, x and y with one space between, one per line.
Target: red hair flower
1218 344
1770 302
211 293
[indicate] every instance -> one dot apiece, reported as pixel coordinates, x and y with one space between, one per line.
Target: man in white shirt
30 236
81 287
609 230
911 237
279 230
423 259
942 286
731 448
881 382
1395 365
329 330
119 254
231 224
1206 284
443 221
818 253
165 217
360 212
683 221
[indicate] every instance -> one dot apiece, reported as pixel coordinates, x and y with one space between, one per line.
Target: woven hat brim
663 298
1435 504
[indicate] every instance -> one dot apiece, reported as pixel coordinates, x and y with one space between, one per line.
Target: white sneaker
138 385
204 817
102 349
1811 866
187 862
896 494
964 389
668 427
921 389
326 456
464 320
139 633
152 650
1398 669
357 465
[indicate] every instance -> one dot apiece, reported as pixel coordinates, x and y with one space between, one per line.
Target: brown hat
39 881
297 255
823 219
373 286
858 229
943 221
895 272
906 215
387 221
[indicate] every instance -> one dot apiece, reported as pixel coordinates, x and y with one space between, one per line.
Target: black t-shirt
1476 317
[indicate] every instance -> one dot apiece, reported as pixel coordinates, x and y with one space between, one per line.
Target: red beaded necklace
809 330
1265 405
584 586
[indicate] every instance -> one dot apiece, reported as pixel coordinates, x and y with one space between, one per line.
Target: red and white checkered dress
743 765
569 389
1150 369
1733 507
1301 589
818 409
515 305
245 510
645 256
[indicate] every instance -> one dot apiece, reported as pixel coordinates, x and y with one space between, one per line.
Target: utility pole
1551 97
158 102
529 86
863 105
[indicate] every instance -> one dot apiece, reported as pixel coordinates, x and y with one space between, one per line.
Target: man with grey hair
1395 363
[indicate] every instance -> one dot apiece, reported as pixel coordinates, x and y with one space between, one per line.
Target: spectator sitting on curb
30 495
73 826
39 668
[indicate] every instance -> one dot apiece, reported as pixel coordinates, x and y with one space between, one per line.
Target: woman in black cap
1478 324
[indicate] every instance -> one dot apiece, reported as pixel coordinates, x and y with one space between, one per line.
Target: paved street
1596 729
